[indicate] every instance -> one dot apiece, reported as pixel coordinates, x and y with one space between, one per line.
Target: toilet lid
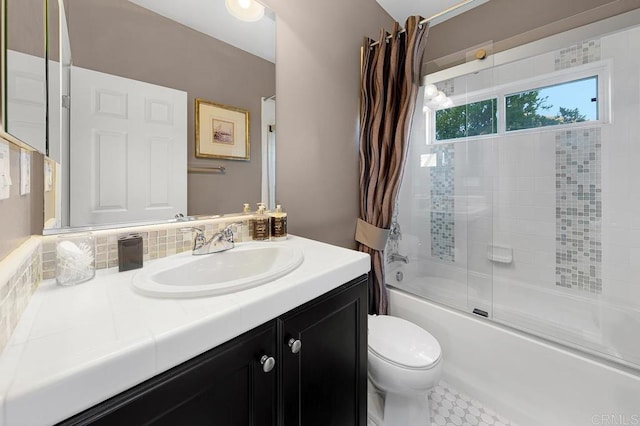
402 342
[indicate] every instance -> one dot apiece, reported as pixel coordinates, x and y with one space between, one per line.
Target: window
565 98
569 102
473 119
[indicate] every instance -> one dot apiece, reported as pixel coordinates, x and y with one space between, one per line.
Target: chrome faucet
395 235
220 241
394 232
397 257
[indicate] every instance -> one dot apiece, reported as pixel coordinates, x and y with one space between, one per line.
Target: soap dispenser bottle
278 224
260 223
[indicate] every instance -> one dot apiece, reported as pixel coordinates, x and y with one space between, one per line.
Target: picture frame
221 131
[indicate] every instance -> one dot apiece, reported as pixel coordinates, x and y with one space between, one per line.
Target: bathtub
531 380
583 322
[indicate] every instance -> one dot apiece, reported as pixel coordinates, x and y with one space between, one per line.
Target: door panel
324 383
128 150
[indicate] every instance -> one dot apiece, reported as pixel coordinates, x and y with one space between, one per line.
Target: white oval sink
245 266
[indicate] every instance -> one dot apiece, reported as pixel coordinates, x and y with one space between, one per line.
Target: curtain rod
429 19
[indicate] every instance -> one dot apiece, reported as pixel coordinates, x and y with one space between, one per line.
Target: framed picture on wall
221 131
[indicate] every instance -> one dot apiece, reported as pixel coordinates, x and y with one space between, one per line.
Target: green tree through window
576 101
524 110
477 118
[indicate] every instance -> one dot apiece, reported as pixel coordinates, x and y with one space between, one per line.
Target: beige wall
510 23
28 36
107 35
318 76
318 91
21 215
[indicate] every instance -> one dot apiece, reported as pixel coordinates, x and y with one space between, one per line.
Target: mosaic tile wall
579 210
446 86
578 54
158 241
15 293
442 178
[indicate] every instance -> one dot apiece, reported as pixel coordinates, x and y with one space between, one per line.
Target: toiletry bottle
260 225
247 212
278 224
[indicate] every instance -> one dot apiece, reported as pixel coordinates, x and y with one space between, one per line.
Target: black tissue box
129 252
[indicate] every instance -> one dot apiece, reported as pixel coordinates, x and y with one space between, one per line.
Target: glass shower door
517 201
445 205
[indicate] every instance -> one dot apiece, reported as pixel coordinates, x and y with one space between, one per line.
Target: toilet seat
399 365
402 343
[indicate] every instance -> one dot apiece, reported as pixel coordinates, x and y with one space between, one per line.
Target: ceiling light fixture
245 10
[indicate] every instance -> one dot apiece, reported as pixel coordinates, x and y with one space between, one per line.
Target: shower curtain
390 81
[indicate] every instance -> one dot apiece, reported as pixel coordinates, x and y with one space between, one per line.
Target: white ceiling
259 38
211 17
400 10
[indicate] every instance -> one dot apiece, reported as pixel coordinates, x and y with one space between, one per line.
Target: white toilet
404 363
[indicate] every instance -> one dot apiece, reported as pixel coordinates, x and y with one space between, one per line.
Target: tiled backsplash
22 274
158 240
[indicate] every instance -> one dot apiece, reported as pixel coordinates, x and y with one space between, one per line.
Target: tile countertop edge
51 398
74 385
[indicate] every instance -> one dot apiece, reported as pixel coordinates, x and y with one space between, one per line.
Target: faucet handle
227 232
239 223
395 233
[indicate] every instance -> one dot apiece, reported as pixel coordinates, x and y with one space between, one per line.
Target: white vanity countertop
77 346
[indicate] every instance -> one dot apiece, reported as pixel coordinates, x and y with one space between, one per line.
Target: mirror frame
3 81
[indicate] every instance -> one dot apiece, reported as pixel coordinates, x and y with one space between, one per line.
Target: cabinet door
226 386
325 382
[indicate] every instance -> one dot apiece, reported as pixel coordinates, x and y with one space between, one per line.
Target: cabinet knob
267 363
295 345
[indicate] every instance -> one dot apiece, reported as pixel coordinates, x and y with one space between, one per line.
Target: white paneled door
128 150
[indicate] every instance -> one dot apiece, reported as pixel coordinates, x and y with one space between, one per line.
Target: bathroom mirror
127 74
24 73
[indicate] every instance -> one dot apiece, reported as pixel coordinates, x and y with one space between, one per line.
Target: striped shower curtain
390 81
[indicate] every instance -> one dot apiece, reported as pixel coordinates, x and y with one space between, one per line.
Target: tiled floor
452 408
448 408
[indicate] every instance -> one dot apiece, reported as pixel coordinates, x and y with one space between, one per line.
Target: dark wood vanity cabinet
325 382
318 356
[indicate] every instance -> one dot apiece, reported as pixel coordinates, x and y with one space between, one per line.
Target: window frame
600 69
